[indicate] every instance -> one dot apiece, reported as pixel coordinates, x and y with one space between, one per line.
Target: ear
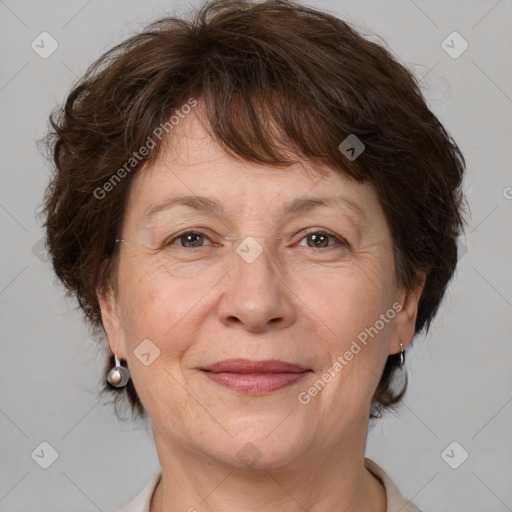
111 322
404 322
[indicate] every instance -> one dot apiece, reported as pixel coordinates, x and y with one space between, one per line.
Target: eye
195 240
188 239
320 239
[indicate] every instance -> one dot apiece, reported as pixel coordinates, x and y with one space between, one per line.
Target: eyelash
170 241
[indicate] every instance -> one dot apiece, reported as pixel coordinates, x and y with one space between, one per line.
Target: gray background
460 379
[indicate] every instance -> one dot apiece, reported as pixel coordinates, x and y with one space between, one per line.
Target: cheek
151 311
348 311
153 300
352 297
354 358
159 319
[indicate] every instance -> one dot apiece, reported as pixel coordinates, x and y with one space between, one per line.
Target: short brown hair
278 82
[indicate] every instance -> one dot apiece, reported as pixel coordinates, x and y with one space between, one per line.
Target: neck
332 480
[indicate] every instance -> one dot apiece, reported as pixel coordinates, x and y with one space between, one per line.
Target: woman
259 212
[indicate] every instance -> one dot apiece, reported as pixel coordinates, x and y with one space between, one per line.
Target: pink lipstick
255 377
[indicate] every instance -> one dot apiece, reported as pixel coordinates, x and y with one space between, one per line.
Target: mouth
255 377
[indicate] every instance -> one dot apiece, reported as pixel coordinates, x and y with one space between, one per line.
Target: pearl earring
119 375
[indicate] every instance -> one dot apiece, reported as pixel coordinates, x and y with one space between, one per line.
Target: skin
295 302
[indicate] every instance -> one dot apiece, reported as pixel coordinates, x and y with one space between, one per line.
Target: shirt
395 501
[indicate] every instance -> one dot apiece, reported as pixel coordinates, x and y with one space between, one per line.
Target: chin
261 442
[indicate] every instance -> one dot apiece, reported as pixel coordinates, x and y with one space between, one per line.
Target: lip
255 377
245 366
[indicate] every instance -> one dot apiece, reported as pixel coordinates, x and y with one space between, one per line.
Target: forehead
193 170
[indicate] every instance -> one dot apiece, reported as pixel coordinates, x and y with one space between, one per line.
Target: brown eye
189 239
320 240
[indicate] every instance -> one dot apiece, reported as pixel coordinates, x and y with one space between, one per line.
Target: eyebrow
205 204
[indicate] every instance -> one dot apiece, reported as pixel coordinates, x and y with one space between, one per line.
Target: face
257 279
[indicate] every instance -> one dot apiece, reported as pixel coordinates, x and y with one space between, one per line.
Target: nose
257 297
